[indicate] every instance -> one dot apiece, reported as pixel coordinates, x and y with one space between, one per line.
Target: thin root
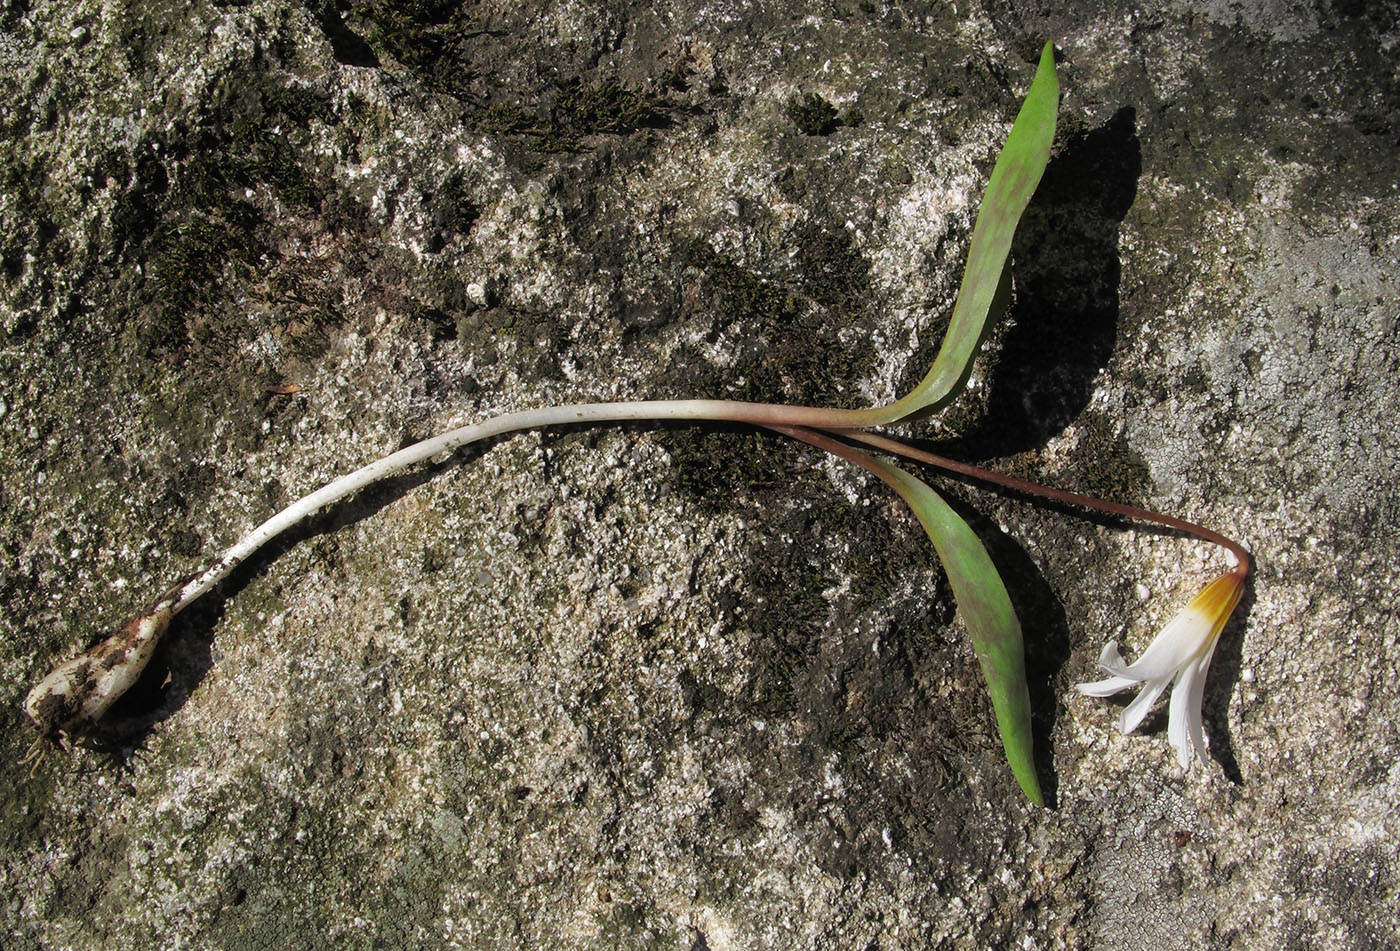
37 751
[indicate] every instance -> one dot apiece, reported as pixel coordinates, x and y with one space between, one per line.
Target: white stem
729 410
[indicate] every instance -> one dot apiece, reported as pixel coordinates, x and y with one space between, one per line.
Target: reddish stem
1059 495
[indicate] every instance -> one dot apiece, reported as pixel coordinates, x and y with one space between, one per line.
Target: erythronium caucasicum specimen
74 697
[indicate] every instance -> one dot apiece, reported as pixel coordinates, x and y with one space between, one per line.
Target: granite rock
690 687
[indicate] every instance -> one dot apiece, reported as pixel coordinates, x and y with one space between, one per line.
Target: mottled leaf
1014 179
986 611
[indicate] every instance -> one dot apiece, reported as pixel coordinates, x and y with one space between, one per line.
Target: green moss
539 334
456 209
32 238
791 334
788 335
188 257
201 216
799 554
606 107
424 35
308 865
574 110
1109 468
1104 465
429 37
541 96
812 114
793 350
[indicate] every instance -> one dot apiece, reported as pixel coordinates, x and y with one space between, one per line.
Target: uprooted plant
71 700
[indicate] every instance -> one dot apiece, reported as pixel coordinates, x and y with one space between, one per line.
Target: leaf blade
981 595
987 613
1014 178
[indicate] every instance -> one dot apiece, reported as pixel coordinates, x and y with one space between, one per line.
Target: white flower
1182 653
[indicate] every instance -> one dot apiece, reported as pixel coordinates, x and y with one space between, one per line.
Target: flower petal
1133 713
1179 642
1182 653
1185 723
1106 688
1109 658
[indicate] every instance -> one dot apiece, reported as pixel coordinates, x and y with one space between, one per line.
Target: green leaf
987 613
1014 179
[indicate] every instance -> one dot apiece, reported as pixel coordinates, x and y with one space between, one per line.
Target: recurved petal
1111 661
1106 688
1109 658
1180 642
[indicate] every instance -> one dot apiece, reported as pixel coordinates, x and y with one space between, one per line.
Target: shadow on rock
1065 313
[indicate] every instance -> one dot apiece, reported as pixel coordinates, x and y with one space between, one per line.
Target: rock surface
690 687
